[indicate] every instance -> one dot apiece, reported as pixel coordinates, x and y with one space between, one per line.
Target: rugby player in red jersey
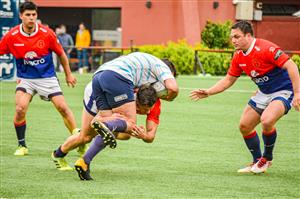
277 78
32 45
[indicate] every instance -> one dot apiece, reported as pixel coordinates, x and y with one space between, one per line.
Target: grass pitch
196 153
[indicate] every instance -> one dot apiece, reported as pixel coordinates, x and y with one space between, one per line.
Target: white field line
229 90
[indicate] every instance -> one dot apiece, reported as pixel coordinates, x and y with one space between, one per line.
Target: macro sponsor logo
261 79
34 62
29 56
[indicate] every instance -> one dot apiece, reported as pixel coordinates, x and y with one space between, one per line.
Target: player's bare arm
172 88
151 131
219 87
70 79
292 69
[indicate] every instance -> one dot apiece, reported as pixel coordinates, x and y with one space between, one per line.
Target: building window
106 23
279 10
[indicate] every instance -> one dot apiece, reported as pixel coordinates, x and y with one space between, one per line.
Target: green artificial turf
196 153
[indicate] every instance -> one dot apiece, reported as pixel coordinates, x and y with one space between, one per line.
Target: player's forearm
151 131
172 88
171 95
150 136
65 63
222 85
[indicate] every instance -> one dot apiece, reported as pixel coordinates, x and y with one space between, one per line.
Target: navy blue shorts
111 90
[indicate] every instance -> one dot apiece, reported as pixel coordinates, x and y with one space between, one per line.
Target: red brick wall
172 20
284 31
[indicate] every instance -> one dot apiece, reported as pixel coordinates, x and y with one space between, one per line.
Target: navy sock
118 125
20 131
269 141
253 144
96 146
59 154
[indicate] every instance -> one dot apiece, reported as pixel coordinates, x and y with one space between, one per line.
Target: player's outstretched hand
198 94
71 80
296 102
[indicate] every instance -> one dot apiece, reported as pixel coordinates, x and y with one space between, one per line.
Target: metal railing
199 65
98 55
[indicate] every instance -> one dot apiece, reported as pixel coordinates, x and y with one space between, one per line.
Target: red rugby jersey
263 63
155 112
262 57
33 52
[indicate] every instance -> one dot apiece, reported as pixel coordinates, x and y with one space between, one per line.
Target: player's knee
85 139
20 111
244 129
267 123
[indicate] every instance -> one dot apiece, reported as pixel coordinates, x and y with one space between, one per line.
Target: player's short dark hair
171 66
244 26
27 5
146 95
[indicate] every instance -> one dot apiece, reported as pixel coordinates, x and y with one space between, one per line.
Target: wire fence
98 55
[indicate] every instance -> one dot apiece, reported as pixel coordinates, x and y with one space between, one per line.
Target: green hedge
180 53
215 63
183 56
217 35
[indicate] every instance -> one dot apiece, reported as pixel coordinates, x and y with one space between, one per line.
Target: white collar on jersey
250 48
29 35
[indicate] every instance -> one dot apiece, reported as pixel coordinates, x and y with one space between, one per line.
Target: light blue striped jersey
140 68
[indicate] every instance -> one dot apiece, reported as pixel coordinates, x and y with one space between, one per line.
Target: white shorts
260 101
88 100
45 87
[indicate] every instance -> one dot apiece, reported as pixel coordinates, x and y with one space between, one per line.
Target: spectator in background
39 21
66 41
83 39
